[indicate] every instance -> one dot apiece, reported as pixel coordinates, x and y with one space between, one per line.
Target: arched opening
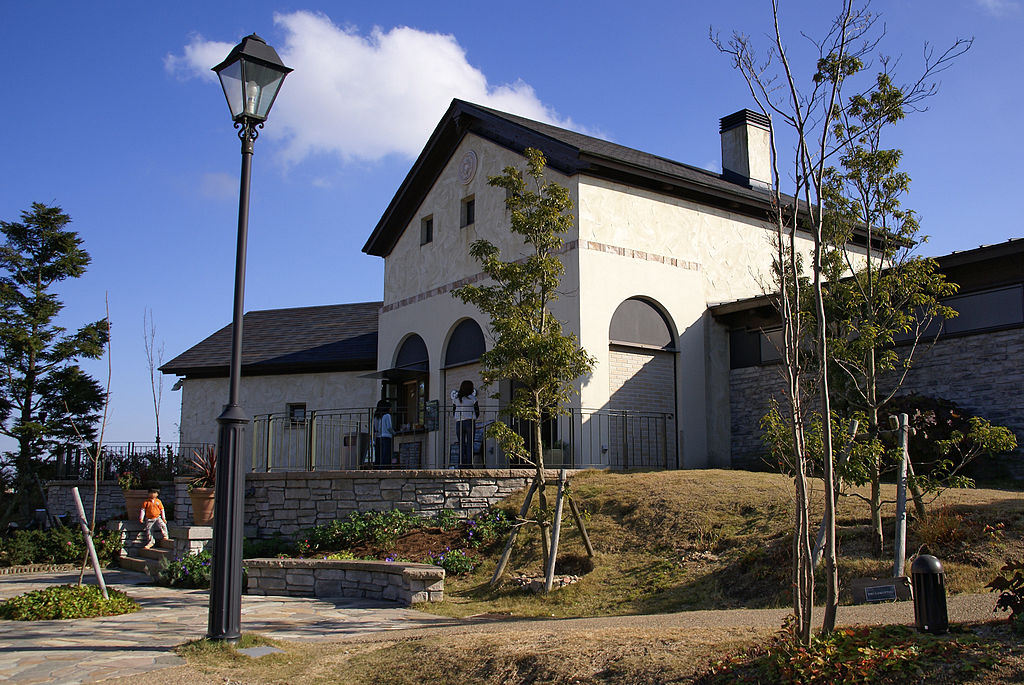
412 354
465 345
466 444
406 386
642 386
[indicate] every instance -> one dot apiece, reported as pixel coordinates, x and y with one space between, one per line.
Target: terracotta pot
133 500
202 506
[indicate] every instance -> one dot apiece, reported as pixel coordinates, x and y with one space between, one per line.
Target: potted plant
134 494
201 488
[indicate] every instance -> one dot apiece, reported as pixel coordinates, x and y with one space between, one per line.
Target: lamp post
251 76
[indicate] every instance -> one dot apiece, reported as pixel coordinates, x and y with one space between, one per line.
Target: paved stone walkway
89 650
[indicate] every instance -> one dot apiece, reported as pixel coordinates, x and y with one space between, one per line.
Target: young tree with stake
530 349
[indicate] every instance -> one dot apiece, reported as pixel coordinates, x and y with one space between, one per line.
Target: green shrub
192 571
486 528
859 654
66 601
61 545
455 562
446 519
270 547
1010 585
373 528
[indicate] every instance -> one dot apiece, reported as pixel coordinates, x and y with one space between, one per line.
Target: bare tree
817 116
154 359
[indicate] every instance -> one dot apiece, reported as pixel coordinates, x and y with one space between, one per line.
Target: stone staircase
134 556
148 561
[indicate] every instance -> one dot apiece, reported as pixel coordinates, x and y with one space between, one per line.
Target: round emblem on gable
467 167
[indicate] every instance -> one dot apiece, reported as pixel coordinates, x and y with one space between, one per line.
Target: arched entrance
642 386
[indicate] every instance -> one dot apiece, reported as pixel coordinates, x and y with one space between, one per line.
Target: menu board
430 415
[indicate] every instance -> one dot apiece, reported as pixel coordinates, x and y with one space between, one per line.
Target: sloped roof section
340 337
568 152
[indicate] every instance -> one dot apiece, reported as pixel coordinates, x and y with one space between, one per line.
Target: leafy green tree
894 296
42 390
529 349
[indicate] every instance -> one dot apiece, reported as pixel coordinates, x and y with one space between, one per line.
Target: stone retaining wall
396 582
109 504
289 502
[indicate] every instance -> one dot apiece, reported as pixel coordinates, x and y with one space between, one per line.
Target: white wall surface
203 399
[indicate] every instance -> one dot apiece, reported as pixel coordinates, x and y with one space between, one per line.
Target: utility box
929 581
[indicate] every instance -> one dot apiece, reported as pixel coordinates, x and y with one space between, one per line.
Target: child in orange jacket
152 514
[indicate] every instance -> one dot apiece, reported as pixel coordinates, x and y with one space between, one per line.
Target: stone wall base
397 582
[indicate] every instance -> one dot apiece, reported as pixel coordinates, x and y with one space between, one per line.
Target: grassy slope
678 540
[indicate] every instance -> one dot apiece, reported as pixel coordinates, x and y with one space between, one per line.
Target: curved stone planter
388 580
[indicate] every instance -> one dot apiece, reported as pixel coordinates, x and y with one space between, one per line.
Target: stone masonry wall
286 503
109 504
750 389
982 373
394 581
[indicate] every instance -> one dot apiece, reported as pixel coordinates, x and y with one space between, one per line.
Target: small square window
468 211
297 413
426 230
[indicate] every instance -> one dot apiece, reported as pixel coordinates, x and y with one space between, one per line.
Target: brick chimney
746 149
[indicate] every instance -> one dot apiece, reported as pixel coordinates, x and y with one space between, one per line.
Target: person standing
466 411
383 432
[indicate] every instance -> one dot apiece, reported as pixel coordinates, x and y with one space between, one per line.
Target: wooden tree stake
579 524
507 552
549 572
88 543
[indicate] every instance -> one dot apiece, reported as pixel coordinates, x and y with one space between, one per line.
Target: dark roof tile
330 337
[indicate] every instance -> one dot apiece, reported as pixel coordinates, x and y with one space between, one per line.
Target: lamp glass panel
231 82
261 86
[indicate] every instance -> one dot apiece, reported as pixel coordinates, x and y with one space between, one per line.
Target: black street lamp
251 77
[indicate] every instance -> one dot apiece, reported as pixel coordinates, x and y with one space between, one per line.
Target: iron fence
149 461
342 439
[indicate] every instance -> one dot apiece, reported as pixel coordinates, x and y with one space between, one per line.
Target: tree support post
507 552
549 575
900 538
88 542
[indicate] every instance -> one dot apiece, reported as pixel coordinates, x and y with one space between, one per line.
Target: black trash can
929 583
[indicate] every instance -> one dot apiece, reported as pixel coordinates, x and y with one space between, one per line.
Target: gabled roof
339 337
568 152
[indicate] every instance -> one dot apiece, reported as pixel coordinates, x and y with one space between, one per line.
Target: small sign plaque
880 593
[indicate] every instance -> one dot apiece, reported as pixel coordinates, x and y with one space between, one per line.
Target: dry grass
680 540
666 541
613 655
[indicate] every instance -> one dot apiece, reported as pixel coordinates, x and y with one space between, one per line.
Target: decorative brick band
567 247
641 255
394 581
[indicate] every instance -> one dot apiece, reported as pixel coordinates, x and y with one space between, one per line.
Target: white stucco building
654 245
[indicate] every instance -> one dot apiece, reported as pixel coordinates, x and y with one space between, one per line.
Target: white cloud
365 97
199 59
999 8
219 186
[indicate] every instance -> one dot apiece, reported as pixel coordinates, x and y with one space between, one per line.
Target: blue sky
110 111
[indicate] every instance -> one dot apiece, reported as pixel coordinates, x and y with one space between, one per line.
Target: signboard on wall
430 415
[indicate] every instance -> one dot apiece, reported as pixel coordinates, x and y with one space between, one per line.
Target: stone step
157 553
148 566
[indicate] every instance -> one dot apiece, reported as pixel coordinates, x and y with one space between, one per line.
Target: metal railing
342 439
150 461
